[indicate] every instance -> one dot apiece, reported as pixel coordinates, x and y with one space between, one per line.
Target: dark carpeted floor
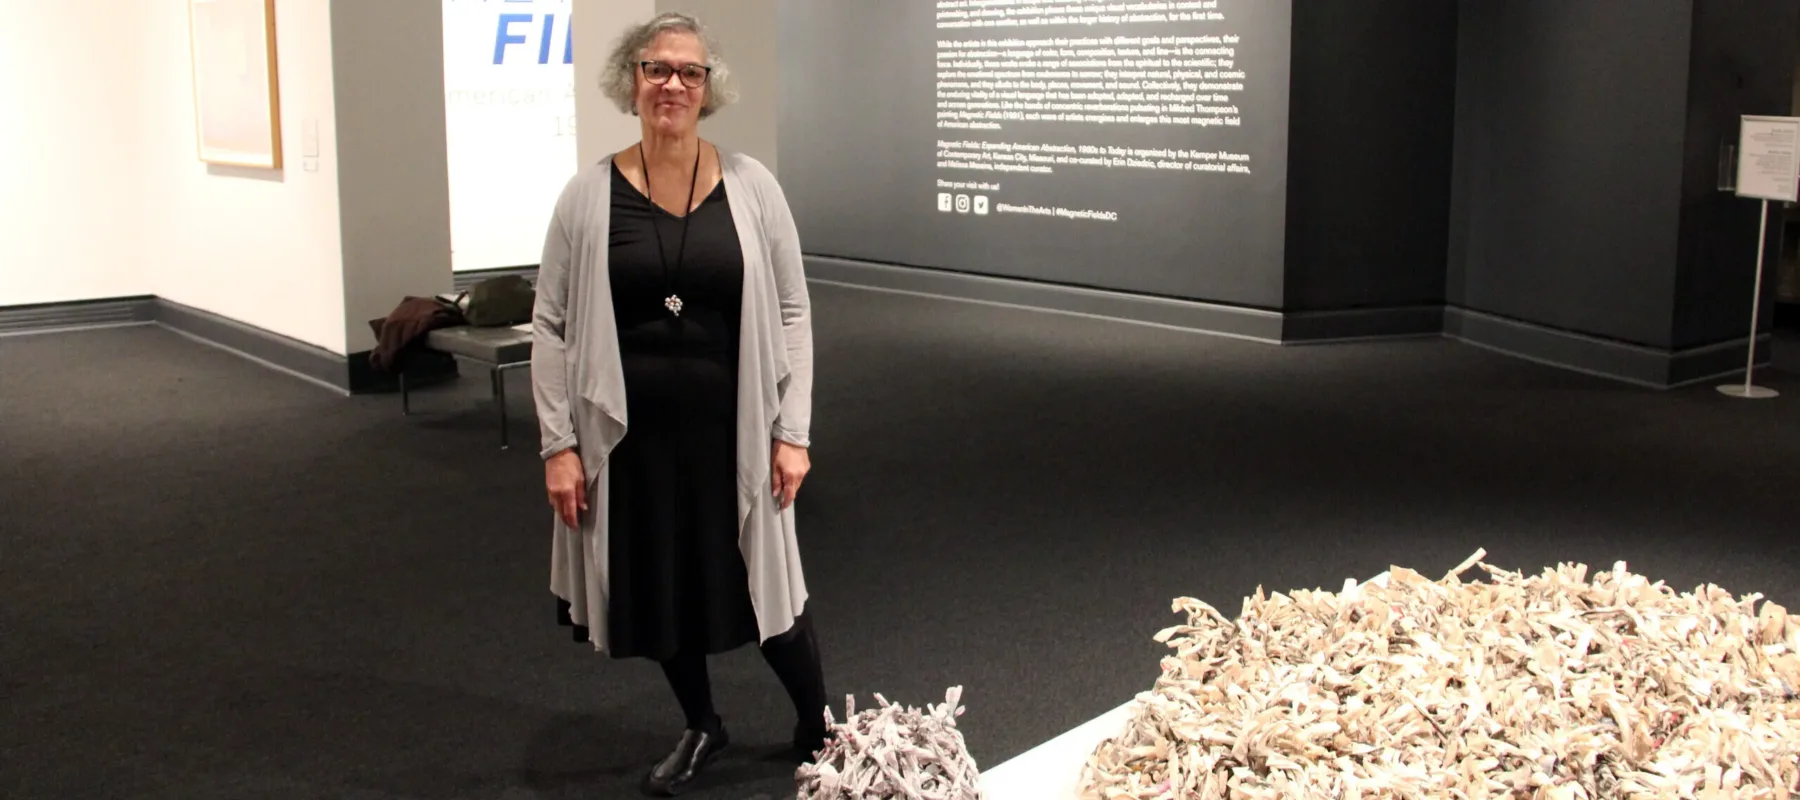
217 581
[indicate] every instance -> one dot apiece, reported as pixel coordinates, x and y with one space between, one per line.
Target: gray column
393 180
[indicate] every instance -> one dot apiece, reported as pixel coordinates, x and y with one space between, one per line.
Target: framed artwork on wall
237 102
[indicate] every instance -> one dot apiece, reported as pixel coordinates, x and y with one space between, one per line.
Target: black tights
794 655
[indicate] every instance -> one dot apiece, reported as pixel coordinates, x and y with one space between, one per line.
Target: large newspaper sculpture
1551 687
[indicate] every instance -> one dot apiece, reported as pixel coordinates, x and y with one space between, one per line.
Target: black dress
677 579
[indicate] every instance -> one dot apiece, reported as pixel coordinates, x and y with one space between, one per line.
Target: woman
672 368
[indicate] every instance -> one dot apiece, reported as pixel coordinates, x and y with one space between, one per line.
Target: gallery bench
498 349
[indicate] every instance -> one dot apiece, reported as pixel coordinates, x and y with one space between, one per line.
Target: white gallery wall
73 214
102 193
258 246
357 217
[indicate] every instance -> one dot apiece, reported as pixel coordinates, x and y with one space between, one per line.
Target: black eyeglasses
693 76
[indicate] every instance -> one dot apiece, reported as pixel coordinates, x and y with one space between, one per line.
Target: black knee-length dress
677 578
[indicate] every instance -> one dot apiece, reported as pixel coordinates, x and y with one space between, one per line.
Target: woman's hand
790 464
567 485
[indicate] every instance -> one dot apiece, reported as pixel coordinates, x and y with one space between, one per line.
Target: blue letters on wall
504 36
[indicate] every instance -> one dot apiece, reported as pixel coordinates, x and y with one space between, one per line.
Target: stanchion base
1747 392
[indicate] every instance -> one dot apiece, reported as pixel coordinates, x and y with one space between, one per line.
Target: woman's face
674 106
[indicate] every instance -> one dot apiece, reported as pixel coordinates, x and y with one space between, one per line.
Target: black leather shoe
672 775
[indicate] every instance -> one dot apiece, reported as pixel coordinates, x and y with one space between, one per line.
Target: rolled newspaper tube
892 752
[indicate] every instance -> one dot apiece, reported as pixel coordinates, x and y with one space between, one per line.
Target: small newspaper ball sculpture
890 752
1547 687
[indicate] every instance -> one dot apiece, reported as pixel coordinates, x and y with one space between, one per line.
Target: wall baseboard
346 375
305 361
54 317
1718 361
1254 324
1784 352
1241 323
1630 363
1362 324
1636 364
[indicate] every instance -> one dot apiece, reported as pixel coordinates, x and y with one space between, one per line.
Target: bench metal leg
497 381
498 376
500 394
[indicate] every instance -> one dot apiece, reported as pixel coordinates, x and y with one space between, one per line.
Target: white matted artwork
237 106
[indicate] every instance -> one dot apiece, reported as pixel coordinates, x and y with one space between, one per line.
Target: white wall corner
254 245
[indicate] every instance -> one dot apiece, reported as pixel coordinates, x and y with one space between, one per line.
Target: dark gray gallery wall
1742 62
1571 120
1537 176
1587 228
1369 151
862 177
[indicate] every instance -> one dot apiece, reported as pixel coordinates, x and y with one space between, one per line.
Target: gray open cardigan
580 390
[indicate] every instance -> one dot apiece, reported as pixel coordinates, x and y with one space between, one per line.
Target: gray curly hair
618 79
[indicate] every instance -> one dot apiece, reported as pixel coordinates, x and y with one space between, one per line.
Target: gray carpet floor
218 581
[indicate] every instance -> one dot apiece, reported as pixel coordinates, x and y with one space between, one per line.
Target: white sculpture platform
1050 770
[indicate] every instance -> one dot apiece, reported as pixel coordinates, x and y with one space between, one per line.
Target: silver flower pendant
674 304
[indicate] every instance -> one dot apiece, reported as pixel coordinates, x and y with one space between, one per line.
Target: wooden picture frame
237 99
